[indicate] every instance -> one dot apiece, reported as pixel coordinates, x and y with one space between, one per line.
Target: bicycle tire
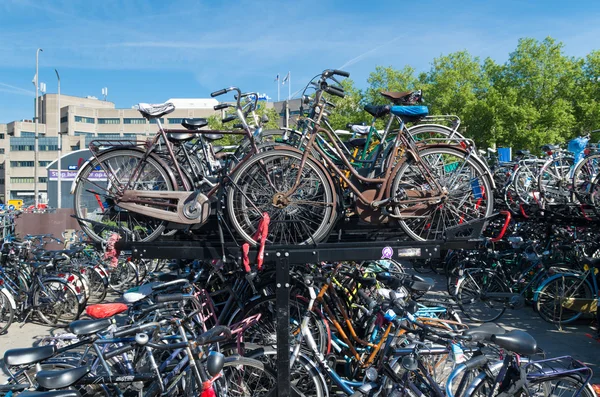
304 217
71 303
98 285
89 193
538 388
7 313
550 294
469 292
551 178
583 177
462 173
305 377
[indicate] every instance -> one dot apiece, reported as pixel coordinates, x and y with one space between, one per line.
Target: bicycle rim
95 195
469 198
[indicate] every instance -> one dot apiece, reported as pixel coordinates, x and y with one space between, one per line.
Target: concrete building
81 121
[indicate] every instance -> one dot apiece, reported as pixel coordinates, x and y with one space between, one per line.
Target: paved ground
572 340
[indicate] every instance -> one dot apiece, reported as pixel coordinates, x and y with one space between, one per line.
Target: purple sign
71 175
387 253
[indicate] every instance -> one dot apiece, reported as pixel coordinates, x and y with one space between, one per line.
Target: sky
150 51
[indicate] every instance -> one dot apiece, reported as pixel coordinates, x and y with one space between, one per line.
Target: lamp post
35 149
59 179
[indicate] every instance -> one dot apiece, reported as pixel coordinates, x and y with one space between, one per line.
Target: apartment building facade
82 120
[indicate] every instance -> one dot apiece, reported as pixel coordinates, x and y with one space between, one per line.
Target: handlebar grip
476 362
217 93
171 298
340 73
128 331
228 119
117 352
368 300
221 106
238 126
335 91
216 334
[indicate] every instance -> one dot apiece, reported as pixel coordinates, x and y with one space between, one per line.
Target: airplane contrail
363 55
16 90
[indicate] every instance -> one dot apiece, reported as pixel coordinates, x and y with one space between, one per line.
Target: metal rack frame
281 257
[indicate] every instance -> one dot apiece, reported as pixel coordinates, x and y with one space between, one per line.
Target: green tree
534 95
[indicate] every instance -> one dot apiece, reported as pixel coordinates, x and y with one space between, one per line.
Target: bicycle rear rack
558 366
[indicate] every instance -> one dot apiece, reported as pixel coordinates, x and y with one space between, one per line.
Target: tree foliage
539 95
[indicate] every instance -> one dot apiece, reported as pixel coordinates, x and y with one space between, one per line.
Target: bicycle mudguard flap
471 230
105 310
580 305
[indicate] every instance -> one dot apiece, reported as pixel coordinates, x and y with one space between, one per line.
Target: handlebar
221 106
216 334
172 298
334 91
219 92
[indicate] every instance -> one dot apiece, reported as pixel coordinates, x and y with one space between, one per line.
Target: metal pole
35 149
58 166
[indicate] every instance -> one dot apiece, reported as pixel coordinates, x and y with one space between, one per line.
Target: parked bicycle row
55 286
306 181
355 329
564 180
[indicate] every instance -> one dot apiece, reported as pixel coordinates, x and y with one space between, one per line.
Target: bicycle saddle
60 379
405 97
155 111
550 148
410 113
523 152
55 393
377 111
359 128
194 124
356 142
516 341
30 355
212 137
88 327
485 331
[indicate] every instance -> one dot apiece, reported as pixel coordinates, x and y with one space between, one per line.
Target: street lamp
59 179
35 149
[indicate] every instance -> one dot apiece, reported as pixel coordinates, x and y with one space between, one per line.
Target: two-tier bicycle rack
465 236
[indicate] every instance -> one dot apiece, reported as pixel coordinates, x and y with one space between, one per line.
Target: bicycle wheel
97 187
243 376
583 176
98 285
555 180
7 313
56 301
525 182
260 184
305 377
469 193
552 294
264 332
122 277
471 295
565 386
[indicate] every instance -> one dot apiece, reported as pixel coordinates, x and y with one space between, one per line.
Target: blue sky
150 51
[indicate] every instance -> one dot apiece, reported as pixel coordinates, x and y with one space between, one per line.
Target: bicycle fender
549 279
10 298
137 149
102 276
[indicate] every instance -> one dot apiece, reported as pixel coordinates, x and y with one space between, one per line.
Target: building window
1 166
1 181
21 148
130 136
134 121
75 147
43 179
21 163
82 133
89 120
1 136
43 163
109 121
64 119
48 148
175 121
109 136
153 121
21 180
1 150
26 134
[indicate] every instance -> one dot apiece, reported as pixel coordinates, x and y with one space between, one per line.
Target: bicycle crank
191 208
